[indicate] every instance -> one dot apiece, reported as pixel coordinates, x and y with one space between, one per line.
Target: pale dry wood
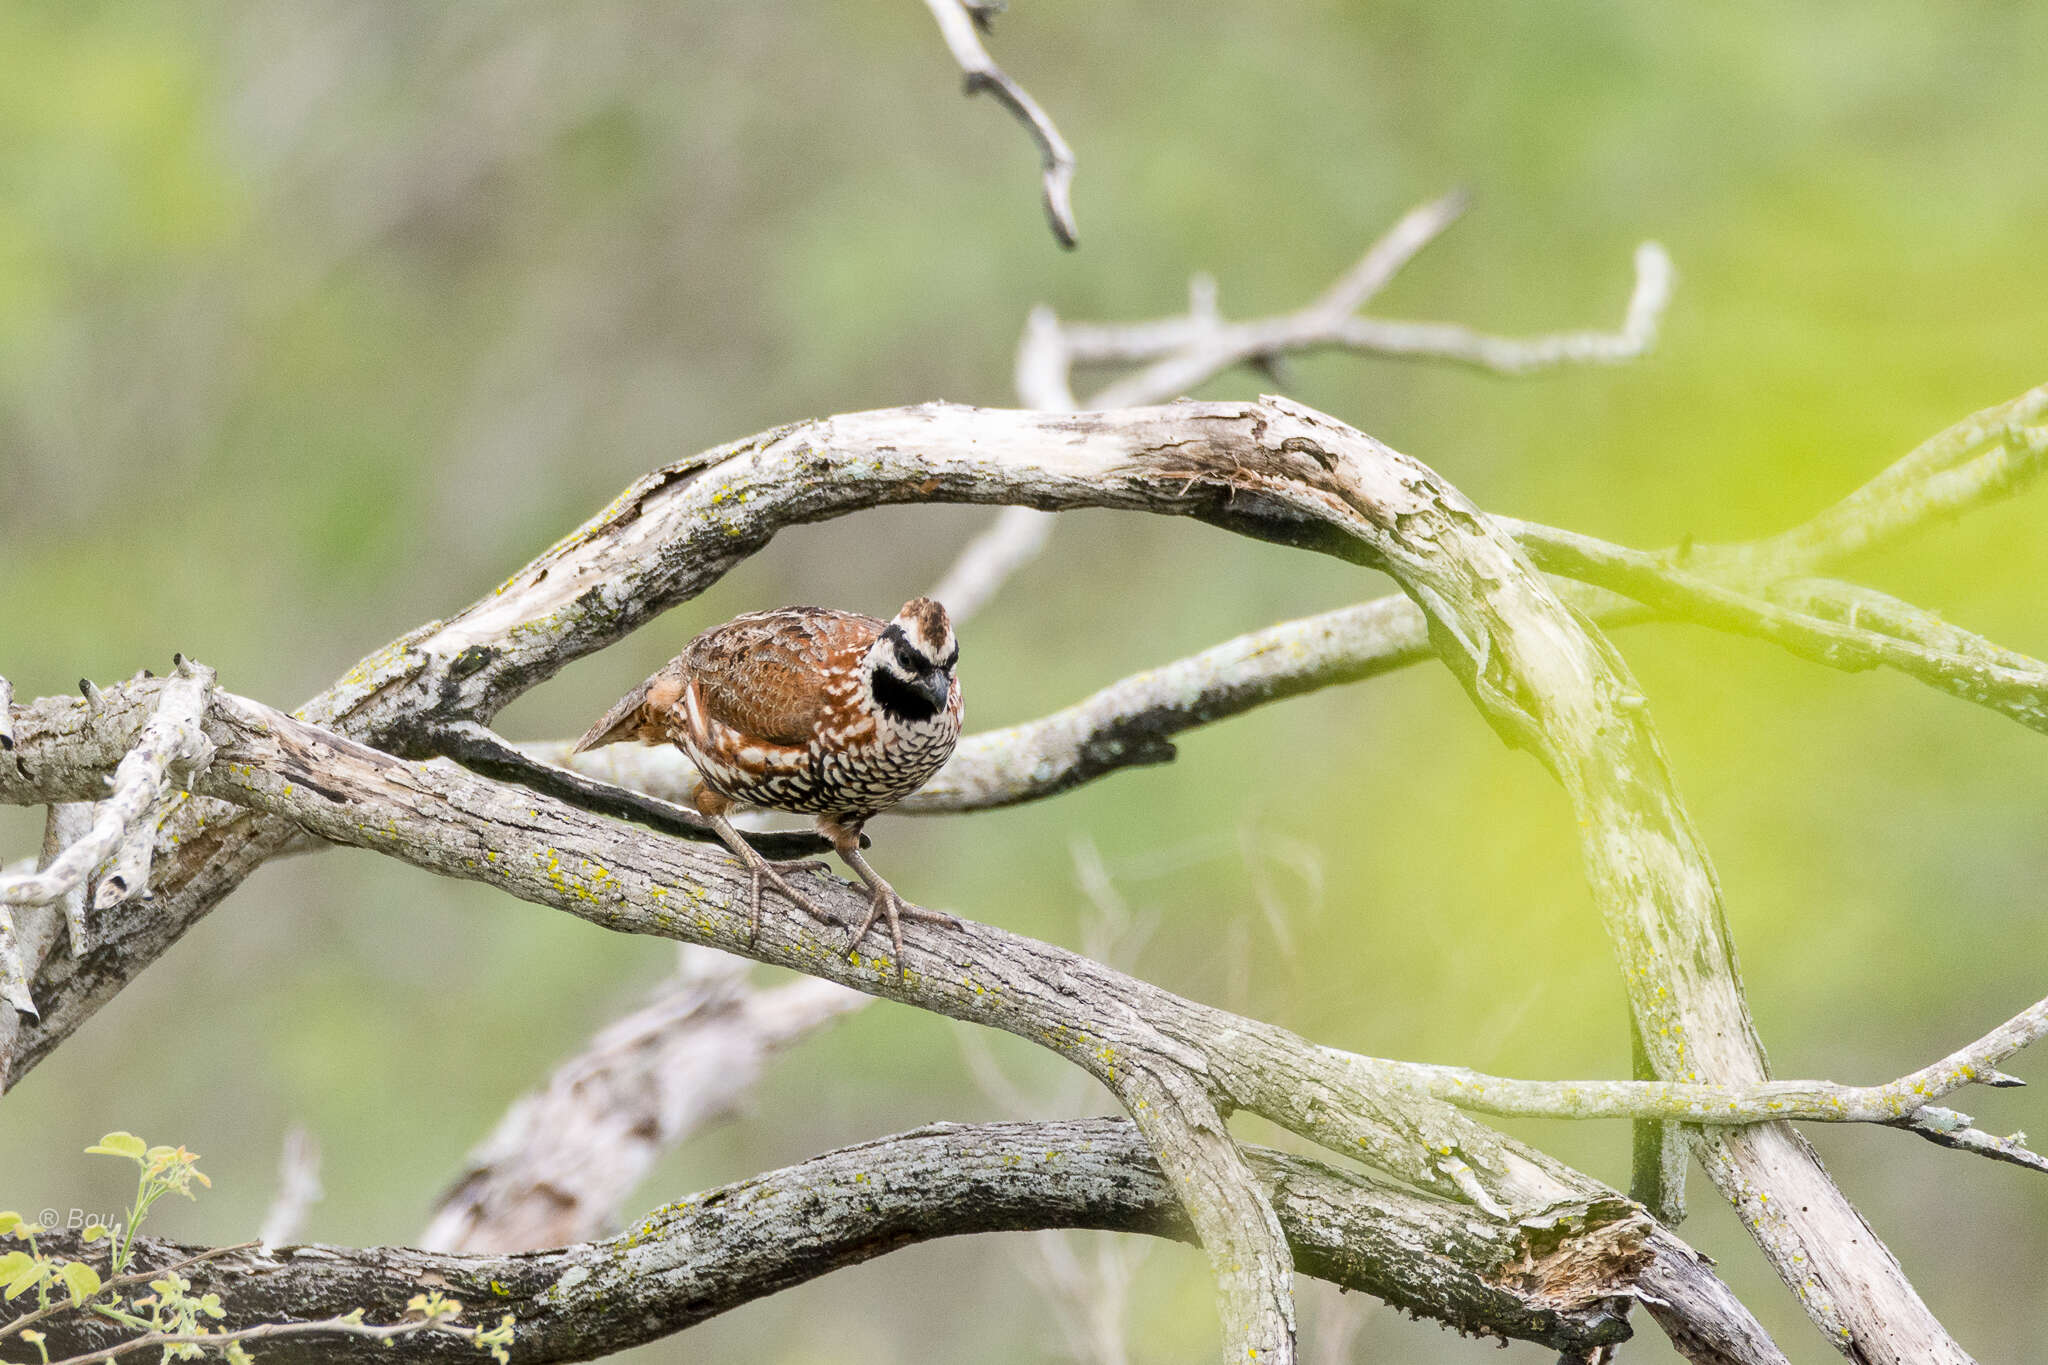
1566 1284
1214 461
1893 1102
1177 354
958 21
298 1188
170 749
562 1163
1145 1044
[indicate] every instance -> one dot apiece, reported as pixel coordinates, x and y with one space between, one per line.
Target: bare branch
1564 1283
1963 665
1215 347
1188 350
1013 538
1383 260
1947 1128
340 1325
957 23
171 748
32 934
1983 457
562 1163
1233 1217
1896 1102
1133 722
1270 470
298 1187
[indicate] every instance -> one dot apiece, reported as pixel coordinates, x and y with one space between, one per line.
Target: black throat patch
900 699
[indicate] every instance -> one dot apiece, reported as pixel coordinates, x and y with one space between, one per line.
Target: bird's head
911 662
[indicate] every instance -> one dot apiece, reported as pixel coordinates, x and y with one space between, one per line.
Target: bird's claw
886 901
790 893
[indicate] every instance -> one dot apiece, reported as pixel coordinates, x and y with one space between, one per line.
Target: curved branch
1132 722
1180 353
1329 324
957 20
1270 470
1566 1285
561 1164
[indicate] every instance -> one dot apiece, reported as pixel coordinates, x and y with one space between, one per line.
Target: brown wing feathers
762 674
757 673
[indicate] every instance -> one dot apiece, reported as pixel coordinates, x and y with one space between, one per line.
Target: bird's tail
627 720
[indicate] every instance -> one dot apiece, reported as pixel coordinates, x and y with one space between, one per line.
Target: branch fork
170 752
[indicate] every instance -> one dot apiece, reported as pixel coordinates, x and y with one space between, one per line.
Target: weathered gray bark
1269 470
562 1163
1566 1284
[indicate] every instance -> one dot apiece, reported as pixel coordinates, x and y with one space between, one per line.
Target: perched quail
806 709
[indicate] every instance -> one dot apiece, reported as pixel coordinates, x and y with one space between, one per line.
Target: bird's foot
887 902
795 897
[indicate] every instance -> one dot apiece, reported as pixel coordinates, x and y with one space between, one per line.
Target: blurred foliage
317 319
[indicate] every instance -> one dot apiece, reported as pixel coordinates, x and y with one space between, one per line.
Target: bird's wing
765 674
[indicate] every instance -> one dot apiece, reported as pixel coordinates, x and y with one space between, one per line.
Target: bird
810 710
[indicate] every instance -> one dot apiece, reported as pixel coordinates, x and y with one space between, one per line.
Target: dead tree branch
1270 470
169 750
298 1188
1177 354
1147 1045
1565 1284
562 1163
1133 722
958 21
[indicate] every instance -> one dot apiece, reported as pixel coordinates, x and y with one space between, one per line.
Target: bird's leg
845 837
714 808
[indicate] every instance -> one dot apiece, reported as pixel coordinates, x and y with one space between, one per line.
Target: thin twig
339 1326
1947 1128
957 25
1821 1101
13 1326
1180 353
1220 346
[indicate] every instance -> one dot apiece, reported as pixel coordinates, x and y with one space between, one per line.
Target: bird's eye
906 658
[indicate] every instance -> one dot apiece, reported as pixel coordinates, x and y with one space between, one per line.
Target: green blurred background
317 319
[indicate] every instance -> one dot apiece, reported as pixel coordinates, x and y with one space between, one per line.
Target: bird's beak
936 687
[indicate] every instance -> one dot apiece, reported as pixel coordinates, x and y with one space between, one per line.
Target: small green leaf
93 1232
11 1264
9 1221
119 1144
82 1280
30 1276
